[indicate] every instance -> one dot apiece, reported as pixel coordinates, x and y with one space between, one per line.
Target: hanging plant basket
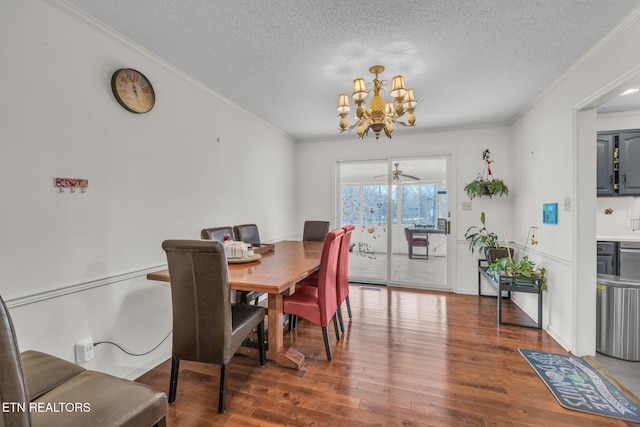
485 184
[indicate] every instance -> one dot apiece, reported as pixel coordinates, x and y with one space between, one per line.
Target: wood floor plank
408 358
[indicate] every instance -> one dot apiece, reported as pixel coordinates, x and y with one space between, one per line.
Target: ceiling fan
397 173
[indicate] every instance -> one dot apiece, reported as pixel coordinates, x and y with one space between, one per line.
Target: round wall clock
132 90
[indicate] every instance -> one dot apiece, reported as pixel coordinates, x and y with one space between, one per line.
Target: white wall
619 121
74 265
554 152
316 176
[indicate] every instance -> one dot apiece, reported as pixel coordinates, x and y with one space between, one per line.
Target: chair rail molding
18 300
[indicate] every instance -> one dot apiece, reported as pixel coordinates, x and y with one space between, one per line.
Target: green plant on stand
524 269
486 242
480 237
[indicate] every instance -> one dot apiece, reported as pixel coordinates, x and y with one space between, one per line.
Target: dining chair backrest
217 233
200 297
315 230
343 264
247 233
327 276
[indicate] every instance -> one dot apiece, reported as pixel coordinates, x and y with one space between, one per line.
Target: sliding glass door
399 208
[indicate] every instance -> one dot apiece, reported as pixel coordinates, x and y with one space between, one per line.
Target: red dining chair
318 304
342 279
343 274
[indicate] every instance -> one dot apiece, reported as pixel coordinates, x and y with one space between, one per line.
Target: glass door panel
418 255
363 202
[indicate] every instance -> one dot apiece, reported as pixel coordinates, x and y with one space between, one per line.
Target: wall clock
132 90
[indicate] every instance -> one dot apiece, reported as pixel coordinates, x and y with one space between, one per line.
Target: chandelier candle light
380 116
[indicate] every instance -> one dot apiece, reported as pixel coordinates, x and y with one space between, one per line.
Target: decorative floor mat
577 385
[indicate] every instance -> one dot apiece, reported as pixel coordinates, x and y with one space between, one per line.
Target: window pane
394 204
428 204
410 204
350 204
442 194
374 200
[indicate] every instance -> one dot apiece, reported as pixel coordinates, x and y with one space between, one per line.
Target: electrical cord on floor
129 352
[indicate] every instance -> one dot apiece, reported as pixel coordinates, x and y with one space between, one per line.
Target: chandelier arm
398 122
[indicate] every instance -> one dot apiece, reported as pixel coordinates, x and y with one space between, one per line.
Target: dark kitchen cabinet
629 174
607 258
617 154
605 146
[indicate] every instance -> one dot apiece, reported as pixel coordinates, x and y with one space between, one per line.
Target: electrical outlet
567 204
84 350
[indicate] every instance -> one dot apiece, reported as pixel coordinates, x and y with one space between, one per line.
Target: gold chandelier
380 116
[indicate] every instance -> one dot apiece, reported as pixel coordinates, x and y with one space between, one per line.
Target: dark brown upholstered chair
315 230
247 233
417 239
318 304
207 327
43 379
217 233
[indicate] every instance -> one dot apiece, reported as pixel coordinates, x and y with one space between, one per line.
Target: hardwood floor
408 358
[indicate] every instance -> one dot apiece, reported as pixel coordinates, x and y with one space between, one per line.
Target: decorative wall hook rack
71 183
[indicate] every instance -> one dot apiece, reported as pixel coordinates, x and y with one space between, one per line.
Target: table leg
289 357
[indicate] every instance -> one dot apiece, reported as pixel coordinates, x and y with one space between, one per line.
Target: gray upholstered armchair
39 379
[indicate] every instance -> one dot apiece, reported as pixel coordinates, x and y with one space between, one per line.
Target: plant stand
511 284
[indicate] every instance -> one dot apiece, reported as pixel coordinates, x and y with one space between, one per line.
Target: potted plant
486 187
486 241
485 184
525 272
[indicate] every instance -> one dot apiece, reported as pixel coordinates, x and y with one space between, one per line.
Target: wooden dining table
275 274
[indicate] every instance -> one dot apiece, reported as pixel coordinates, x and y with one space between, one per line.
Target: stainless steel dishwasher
618 317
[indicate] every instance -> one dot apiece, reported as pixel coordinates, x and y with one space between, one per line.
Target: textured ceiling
471 62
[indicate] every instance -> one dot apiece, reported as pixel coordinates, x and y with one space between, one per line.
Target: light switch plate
466 206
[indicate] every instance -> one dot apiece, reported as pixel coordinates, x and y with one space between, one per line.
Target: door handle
447 229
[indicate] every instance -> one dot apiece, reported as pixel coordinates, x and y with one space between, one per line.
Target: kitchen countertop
619 238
